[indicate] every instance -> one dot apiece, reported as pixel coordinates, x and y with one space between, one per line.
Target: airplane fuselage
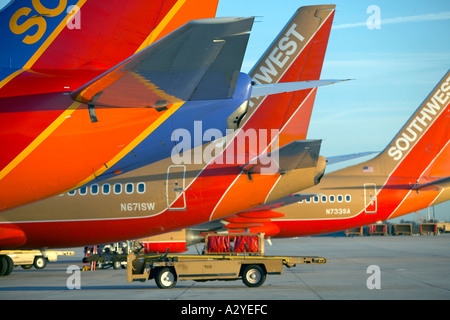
48 51
151 200
355 203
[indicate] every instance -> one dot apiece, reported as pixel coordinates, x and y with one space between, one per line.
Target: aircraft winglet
295 197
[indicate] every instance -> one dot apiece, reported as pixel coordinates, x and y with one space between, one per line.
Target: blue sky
393 68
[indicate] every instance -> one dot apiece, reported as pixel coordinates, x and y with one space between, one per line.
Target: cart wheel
117 264
6 265
165 278
39 262
253 276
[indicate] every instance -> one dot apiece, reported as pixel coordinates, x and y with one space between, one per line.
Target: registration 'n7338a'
338 211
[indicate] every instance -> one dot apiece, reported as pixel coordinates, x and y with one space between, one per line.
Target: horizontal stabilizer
295 155
274 88
436 184
199 61
337 159
296 197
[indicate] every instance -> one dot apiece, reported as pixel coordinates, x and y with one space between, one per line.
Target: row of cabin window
117 188
331 198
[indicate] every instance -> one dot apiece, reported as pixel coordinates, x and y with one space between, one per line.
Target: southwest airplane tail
50 50
169 193
83 37
297 54
411 174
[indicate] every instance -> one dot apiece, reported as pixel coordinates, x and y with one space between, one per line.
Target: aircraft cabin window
141 187
348 198
71 193
308 200
117 188
340 198
94 189
324 199
106 189
316 199
82 191
331 198
129 188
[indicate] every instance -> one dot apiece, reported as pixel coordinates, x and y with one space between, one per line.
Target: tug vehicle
225 257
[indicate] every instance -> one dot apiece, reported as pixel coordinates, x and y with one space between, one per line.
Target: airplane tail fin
86 35
297 54
89 33
419 152
424 137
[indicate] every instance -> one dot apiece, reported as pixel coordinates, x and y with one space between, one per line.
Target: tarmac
359 268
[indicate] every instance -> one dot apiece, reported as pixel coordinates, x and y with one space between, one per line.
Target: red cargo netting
219 244
251 242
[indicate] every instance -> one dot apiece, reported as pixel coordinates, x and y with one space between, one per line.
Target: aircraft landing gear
6 265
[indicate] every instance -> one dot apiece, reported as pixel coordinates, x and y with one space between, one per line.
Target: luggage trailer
226 257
